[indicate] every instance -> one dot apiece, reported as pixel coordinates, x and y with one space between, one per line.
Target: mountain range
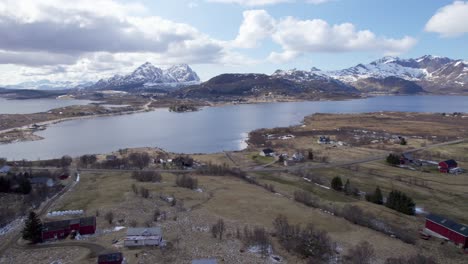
426 74
147 75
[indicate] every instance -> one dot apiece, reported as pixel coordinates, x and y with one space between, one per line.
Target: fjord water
36 105
213 129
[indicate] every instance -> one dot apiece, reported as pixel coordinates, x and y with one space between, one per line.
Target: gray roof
5 169
449 224
144 231
204 261
39 180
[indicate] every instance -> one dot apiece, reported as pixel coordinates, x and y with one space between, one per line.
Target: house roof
451 163
64 224
56 225
5 169
449 224
144 231
204 261
116 256
268 151
39 180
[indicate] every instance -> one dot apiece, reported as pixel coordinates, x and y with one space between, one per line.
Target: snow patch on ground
420 210
77 177
68 212
11 226
323 186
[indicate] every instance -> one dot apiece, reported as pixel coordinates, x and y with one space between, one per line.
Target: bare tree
109 216
362 253
217 230
139 160
66 161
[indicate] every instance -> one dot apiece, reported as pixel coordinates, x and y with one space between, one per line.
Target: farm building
143 236
204 261
111 258
446 166
448 229
268 152
61 229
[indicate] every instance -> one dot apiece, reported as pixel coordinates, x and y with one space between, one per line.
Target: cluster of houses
288 161
444 228
447 166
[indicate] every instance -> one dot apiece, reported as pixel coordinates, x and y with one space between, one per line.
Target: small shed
142 236
446 166
268 152
111 258
204 261
448 229
5 169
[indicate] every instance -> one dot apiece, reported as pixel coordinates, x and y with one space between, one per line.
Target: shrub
306 198
400 202
362 253
337 184
147 176
109 216
375 197
393 159
217 230
186 181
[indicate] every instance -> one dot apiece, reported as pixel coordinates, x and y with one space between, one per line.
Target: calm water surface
36 105
213 129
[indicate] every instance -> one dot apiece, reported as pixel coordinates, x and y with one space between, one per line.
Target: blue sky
217 36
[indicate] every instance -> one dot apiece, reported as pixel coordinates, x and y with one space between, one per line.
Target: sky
85 40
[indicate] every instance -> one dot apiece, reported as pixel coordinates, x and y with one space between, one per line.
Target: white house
142 236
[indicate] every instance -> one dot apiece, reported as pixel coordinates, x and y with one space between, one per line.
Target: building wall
86 230
451 235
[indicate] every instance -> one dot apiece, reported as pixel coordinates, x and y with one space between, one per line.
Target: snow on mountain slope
149 75
49 85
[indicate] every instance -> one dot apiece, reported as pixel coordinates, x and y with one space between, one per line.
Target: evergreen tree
393 159
377 196
400 202
5 185
337 184
32 230
25 186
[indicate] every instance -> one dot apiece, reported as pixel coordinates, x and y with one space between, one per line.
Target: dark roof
56 225
117 256
449 224
64 224
39 180
268 151
451 163
88 221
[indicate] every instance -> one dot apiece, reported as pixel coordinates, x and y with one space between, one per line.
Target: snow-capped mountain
49 85
393 75
148 75
432 73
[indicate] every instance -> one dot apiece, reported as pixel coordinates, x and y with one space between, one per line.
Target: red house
61 229
448 229
445 166
111 258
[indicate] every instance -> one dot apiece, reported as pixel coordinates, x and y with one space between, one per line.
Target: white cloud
251 2
88 38
450 20
304 36
257 25
317 2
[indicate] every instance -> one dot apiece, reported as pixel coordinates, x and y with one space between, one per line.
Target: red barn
445 166
111 258
450 230
61 229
